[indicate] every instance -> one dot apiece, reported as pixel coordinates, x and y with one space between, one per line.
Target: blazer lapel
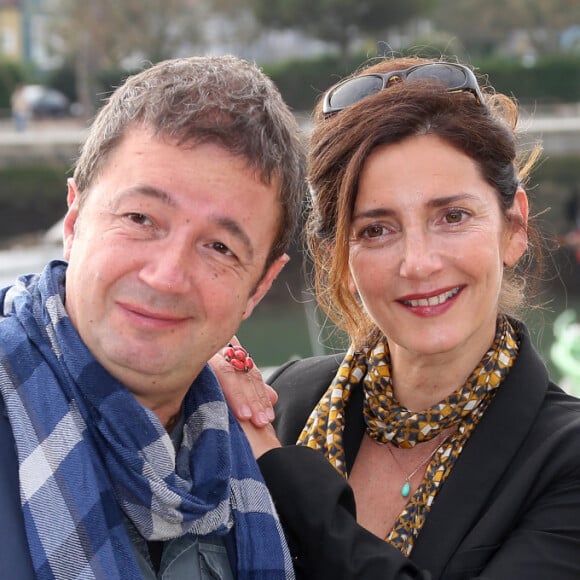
482 462
354 427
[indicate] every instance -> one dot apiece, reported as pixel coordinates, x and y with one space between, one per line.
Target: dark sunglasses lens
354 90
451 77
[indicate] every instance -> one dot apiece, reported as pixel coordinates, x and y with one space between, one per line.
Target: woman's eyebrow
380 212
452 199
375 212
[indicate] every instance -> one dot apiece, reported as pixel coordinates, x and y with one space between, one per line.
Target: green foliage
11 73
301 82
337 21
562 171
105 81
553 79
328 19
95 36
485 28
63 79
31 199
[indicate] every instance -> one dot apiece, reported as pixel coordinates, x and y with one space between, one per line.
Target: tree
337 21
485 26
106 34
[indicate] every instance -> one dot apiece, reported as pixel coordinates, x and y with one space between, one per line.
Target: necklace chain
406 487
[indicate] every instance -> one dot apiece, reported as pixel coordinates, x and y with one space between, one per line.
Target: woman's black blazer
509 510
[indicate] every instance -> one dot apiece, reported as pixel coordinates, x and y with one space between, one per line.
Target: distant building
11 41
23 32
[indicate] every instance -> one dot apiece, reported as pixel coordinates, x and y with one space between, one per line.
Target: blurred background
59 59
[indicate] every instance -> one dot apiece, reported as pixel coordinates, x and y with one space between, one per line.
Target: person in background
437 447
119 457
20 108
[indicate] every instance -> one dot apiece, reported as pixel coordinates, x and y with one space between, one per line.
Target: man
119 458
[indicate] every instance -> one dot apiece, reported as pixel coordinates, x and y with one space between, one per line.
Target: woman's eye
454 216
373 231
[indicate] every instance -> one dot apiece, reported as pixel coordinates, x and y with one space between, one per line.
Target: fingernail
270 414
245 412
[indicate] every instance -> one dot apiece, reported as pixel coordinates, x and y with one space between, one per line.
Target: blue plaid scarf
88 451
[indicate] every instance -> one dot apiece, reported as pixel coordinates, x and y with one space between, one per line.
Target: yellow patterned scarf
388 422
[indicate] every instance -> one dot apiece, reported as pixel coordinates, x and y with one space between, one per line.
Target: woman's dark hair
340 144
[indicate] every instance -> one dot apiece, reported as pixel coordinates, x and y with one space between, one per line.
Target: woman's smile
428 248
441 298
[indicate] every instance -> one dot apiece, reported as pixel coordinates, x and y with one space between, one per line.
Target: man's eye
139 218
222 249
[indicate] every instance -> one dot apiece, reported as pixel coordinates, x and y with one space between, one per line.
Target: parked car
45 102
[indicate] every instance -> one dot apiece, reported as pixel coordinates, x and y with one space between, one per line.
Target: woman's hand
250 399
248 396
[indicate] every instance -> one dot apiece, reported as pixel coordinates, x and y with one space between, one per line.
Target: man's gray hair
215 99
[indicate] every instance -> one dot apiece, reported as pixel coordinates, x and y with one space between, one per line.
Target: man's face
166 258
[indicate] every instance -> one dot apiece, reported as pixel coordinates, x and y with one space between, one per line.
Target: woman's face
428 244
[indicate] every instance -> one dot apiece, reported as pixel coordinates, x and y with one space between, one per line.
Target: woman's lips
432 300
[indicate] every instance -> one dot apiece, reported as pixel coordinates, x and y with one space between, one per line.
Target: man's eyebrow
234 228
149 191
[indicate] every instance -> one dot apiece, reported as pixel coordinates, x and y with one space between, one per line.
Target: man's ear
265 284
71 217
517 237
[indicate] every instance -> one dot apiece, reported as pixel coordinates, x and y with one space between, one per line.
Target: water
26 259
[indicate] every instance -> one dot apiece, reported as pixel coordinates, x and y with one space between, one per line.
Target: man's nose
169 267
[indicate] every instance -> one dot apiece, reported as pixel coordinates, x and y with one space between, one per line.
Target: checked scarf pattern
388 422
88 451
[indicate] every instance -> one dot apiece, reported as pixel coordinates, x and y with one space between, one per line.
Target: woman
440 421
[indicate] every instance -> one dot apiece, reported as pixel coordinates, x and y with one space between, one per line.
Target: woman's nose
420 257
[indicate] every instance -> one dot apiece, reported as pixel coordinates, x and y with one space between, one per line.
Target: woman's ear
351 285
517 236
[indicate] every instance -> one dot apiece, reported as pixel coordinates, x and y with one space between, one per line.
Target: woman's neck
420 381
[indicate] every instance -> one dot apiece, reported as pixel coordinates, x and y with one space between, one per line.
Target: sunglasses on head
454 77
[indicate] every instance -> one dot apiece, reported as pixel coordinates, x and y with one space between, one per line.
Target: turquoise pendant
405 489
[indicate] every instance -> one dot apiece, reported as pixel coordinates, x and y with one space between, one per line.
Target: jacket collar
483 460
